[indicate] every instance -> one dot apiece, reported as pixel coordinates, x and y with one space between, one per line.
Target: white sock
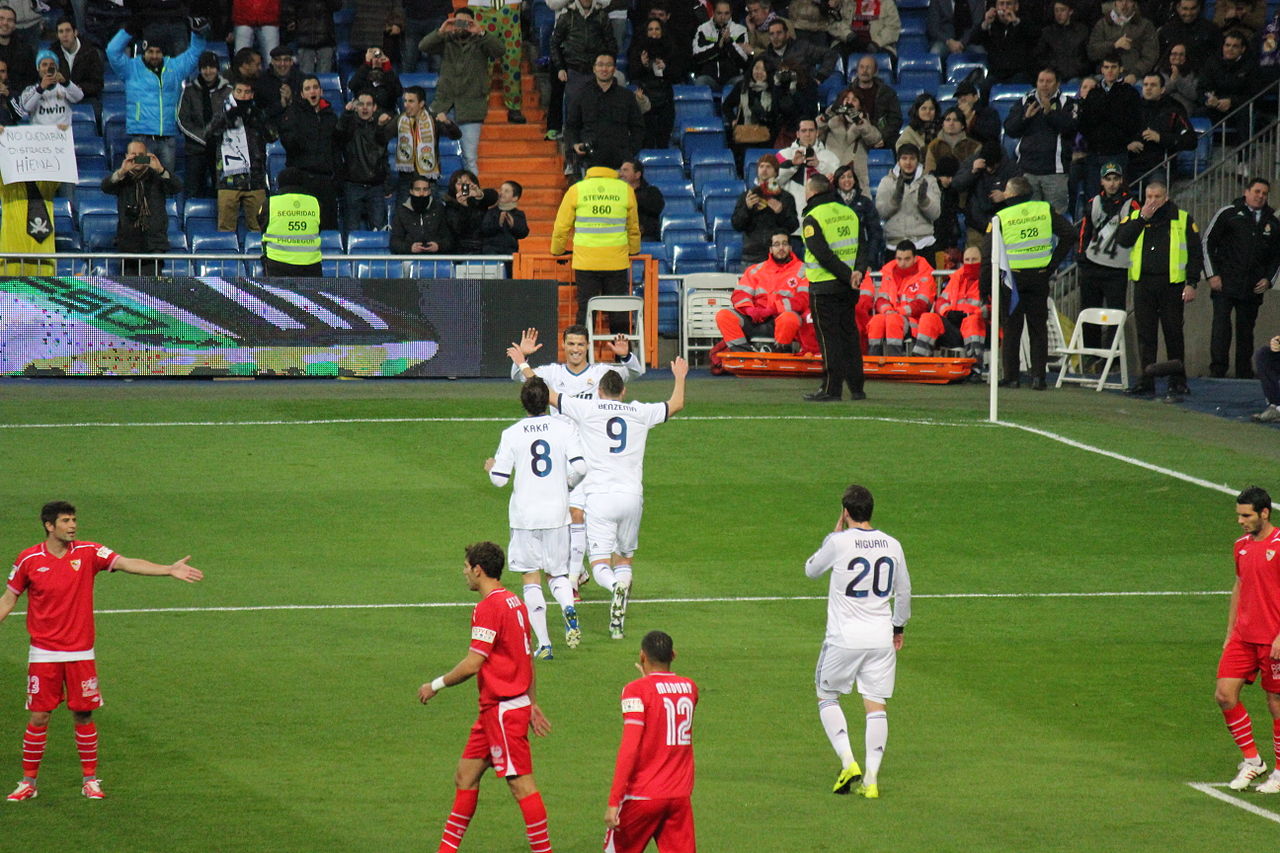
622 574
577 548
603 574
561 590
877 737
832 716
536 603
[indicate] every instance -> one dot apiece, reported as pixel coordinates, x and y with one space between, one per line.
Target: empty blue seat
681 223
697 127
729 250
450 147
694 257
881 157
330 243
425 79
716 187
719 225
961 65
717 206
111 84
66 241
84 111
430 269
331 85
660 157
712 172
689 112
213 242
663 173
81 129
369 243
710 156
691 92
1008 92
90 201
113 107
692 143
682 188
62 206
98 231
654 248
681 205
915 82
919 61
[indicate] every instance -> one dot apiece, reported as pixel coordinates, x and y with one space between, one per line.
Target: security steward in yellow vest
291 230
834 263
600 211
1036 239
1165 265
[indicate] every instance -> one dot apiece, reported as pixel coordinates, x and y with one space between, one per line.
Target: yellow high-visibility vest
1177 250
292 235
839 224
1027 229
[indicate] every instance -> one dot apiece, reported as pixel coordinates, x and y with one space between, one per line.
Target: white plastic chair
1057 341
609 305
1105 317
702 296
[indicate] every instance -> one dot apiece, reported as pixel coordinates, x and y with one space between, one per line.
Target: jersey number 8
541 461
863 567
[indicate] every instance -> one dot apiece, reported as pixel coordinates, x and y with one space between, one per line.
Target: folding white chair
1105 317
702 296
609 305
1055 343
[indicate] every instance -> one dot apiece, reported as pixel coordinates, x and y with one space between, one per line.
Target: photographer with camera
140 186
468 52
845 129
655 65
763 211
803 159
604 125
465 203
877 100
720 49
377 77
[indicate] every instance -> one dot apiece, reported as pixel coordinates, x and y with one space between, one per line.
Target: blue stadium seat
716 206
719 225
946 94
62 206
64 224
177 240
252 243
84 111
680 205
81 129
91 201
430 269
715 187
729 251
91 175
880 157
331 85
694 112
663 173
682 188
448 165
681 223
707 157
87 146
961 65
915 82
907 96
450 147
694 257
199 209
66 241
369 242
111 84
425 79
331 242
660 157
918 61
113 107
712 172
213 242
1003 108
1008 92
691 92
699 141
655 248
875 172
698 127
98 231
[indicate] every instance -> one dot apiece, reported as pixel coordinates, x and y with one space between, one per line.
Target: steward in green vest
1165 265
834 263
291 229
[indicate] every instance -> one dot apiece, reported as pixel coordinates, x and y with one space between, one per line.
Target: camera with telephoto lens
784 77
587 148
846 111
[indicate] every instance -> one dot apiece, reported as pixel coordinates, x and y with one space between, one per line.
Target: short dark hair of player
611 384
658 648
487 557
49 512
905 246
1256 497
858 503
420 92
534 395
576 329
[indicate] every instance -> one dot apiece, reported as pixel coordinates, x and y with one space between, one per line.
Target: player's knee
39 718
1226 695
81 717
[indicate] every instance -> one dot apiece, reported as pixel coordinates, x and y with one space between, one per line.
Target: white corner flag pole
999 260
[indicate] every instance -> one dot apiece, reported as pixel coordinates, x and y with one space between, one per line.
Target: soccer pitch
1054 692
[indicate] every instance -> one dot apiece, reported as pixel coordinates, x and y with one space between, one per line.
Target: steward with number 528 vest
601 211
292 231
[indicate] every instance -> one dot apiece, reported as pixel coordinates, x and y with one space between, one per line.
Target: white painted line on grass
1211 788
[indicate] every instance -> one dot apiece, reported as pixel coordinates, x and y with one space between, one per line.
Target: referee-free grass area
1029 723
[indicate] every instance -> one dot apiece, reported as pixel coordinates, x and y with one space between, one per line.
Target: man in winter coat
363 133
238 134
419 226
140 186
908 201
468 50
201 96
308 131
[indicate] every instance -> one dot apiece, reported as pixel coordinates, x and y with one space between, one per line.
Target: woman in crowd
1181 77
923 122
751 109
654 65
845 130
464 206
850 191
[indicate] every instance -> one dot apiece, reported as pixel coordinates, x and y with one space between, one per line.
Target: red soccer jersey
1258 605
500 632
60 608
655 760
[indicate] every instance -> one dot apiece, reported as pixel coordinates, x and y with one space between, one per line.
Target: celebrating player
867 569
653 778
1253 635
60 573
576 378
614 435
543 457
501 657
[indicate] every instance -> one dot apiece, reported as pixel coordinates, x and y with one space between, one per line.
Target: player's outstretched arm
679 369
465 669
179 570
7 602
520 369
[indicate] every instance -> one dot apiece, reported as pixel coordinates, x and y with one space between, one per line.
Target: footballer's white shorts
873 671
545 550
613 524
578 497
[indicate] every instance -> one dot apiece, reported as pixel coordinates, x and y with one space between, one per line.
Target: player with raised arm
575 377
614 435
863 637
541 457
59 574
1253 636
653 776
502 660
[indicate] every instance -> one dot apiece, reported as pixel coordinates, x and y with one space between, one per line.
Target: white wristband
438 684
524 365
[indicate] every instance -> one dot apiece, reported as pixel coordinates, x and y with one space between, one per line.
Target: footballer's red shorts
46 683
501 734
1245 660
667 822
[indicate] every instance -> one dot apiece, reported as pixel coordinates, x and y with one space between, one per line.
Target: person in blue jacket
152 90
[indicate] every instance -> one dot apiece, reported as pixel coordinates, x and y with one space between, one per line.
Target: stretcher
930 371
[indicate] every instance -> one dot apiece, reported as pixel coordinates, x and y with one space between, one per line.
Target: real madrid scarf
234 152
416 146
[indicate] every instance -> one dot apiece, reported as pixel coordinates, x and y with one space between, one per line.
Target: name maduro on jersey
676 687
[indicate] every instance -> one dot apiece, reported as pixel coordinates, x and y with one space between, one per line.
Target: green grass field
1020 723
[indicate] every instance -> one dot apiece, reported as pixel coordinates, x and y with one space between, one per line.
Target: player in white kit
863 637
542 458
576 377
613 436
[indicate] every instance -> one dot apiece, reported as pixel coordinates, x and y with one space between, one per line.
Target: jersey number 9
880 586
616 429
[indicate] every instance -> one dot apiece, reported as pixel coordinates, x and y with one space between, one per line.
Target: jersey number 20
679 720
880 585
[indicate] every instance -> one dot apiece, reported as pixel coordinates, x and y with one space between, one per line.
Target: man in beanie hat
48 100
201 96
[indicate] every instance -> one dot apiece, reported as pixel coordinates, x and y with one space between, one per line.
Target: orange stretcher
930 371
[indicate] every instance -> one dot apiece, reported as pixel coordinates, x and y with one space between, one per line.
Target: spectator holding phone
140 186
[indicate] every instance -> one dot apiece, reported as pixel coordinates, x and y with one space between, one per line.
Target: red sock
535 822
1241 729
1275 739
33 749
455 826
87 744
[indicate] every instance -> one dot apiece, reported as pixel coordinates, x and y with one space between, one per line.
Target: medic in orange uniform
903 303
769 301
964 316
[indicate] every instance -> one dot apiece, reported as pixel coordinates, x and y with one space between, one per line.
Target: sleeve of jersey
483 634
577 460
104 559
17 581
629 750
821 560
901 594
634 366
503 461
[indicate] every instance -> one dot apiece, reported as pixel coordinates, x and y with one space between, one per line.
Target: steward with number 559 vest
601 211
291 233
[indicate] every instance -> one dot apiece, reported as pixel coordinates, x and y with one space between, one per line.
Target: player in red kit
59 574
653 778
1253 635
502 659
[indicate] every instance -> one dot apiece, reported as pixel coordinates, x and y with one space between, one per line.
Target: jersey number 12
679 720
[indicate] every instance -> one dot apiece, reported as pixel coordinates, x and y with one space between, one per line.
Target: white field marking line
461 420
708 600
1210 788
1168 472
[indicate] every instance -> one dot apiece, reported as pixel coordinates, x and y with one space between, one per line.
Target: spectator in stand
946 228
501 19
280 83
951 141
238 135
378 23
981 121
1182 82
152 89
246 65
419 225
1125 32
310 24
9 112
162 22
27 225
308 131
418 141
463 90
49 99
797 98
843 127
140 186
753 110
680 17
1247 16
1104 266
908 201
604 126
902 308
256 21
17 54
784 52
363 132
28 23
1269 48
1165 129
867 27
984 177
654 68
1010 42
78 62
1044 123
421 18
1228 80
720 50
924 120
581 34
504 225
377 77
802 159
1063 43
206 91
809 22
1110 118
964 313
771 298
1189 28
759 16
649 200
852 193
952 27
877 100
764 210
465 204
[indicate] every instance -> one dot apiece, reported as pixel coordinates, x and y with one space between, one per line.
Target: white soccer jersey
544 457
562 380
867 569
613 435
